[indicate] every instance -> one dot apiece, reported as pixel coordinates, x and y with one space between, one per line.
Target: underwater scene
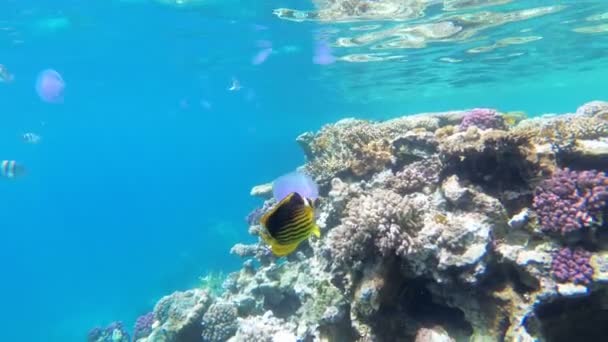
304 170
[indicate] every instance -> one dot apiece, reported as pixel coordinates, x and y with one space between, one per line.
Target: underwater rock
263 328
179 316
434 334
115 332
519 220
599 264
263 191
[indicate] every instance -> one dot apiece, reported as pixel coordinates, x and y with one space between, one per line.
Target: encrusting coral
443 226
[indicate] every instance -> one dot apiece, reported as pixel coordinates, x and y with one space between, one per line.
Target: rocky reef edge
470 225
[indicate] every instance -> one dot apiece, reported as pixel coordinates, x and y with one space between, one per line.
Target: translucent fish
50 86
288 224
295 182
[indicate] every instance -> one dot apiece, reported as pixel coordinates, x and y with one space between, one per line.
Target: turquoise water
141 181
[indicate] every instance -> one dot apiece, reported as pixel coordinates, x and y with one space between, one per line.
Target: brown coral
372 157
562 129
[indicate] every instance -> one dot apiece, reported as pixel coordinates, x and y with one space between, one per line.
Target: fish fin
316 231
264 219
267 238
283 250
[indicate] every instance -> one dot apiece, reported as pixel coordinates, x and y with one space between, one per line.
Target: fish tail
316 231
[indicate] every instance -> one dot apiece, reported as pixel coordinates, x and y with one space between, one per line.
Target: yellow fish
513 118
289 223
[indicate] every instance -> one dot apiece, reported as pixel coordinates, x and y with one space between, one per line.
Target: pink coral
482 118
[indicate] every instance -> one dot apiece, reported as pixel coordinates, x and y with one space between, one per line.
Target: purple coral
482 118
115 332
94 334
143 326
571 200
253 218
572 266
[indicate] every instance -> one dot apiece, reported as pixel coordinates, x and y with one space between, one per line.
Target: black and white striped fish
11 169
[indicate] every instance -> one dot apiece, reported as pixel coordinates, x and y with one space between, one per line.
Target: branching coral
377 222
372 157
332 150
360 147
571 200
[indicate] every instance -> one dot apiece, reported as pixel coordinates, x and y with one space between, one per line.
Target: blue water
141 181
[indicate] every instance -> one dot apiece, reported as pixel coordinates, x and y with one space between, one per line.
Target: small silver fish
31 138
11 169
236 85
5 75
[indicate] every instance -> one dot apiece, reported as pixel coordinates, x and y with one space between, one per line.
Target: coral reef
143 326
115 332
482 118
435 227
572 266
179 316
213 282
219 322
571 200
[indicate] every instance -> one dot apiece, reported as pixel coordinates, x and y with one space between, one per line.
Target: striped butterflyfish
289 223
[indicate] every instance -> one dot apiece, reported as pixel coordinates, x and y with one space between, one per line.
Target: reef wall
470 225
